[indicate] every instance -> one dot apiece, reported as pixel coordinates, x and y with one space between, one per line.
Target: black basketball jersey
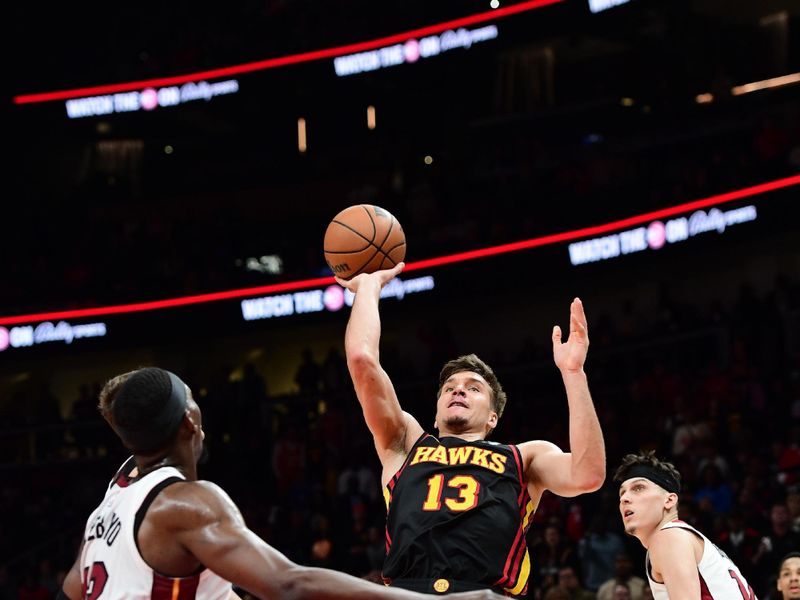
459 511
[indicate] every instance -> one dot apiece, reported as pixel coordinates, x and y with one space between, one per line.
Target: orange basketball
363 239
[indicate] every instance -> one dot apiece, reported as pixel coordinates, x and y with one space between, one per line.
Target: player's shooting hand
381 277
570 355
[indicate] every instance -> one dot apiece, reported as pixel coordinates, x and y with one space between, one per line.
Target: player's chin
456 423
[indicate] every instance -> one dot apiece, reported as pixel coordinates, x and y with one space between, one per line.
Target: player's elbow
293 584
588 472
362 362
305 583
591 482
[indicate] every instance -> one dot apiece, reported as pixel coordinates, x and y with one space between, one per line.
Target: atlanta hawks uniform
457 515
720 579
111 565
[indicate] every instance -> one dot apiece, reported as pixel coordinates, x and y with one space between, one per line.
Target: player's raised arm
583 468
390 426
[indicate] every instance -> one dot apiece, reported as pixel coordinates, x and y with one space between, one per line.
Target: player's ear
191 422
493 418
671 501
187 422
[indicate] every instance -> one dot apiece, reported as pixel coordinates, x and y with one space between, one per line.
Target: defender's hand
381 277
570 355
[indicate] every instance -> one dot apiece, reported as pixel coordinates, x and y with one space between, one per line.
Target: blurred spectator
309 375
598 551
793 504
376 550
549 555
715 494
621 592
779 541
568 580
708 451
623 575
692 430
334 372
289 459
574 523
252 388
740 542
358 477
557 593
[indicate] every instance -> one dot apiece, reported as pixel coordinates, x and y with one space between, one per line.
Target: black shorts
440 586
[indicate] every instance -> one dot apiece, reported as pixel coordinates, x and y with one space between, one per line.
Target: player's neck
645 536
469 436
146 464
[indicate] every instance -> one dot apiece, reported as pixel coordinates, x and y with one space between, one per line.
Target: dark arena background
174 167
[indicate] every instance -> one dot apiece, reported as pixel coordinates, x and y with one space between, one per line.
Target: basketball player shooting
161 533
458 506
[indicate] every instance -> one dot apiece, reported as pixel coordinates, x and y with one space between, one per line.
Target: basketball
363 239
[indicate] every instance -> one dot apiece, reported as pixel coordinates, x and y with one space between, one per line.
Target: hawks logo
460 456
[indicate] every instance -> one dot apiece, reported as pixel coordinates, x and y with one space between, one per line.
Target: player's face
465 404
789 579
642 504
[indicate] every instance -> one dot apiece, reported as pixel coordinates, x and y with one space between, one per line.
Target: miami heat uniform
720 579
457 515
111 565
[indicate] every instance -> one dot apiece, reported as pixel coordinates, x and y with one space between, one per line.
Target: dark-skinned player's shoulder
190 503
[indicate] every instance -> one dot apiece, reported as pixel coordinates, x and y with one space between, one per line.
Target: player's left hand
570 355
381 277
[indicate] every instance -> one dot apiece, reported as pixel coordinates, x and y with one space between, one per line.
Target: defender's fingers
575 326
579 312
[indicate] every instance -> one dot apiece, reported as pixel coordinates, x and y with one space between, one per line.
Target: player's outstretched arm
391 428
206 522
583 468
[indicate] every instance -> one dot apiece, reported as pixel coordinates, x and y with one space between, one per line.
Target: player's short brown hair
470 362
647 459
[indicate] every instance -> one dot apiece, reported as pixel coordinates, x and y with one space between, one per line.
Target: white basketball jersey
720 579
111 565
